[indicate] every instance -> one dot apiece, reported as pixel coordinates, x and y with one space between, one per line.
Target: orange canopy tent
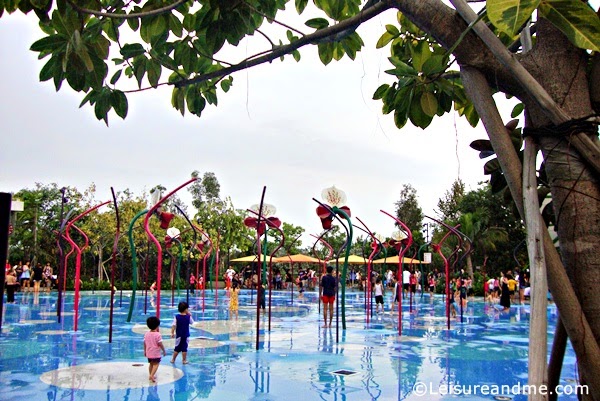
246 259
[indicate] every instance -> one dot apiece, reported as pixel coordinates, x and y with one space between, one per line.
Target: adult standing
405 281
48 276
505 296
327 293
38 276
25 277
11 284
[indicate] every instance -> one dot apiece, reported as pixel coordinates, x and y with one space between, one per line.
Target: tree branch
279 51
126 16
588 149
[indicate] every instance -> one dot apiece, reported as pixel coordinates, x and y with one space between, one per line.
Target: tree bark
576 324
538 324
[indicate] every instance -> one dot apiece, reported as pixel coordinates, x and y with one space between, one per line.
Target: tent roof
394 259
297 258
352 259
249 258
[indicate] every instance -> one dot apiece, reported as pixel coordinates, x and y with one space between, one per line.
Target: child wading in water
180 330
234 300
152 346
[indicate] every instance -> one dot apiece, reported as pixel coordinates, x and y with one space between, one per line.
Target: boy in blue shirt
180 330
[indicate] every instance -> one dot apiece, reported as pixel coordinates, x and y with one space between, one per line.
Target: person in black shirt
327 294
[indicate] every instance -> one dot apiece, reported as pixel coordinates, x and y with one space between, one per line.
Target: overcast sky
295 127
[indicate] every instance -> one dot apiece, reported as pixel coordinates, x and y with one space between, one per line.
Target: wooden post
538 323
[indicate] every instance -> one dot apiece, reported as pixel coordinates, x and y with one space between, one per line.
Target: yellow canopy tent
297 258
394 259
247 259
352 260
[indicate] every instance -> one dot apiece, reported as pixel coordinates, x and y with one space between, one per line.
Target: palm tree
475 226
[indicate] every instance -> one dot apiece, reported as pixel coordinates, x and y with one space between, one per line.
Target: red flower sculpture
326 215
252 222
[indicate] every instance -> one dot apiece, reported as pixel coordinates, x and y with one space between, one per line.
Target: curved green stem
133 263
345 267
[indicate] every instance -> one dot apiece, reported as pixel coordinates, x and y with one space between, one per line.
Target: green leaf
491 166
517 110
420 54
400 118
118 101
226 84
175 25
317 23
158 26
418 117
301 5
576 20
195 102
134 23
381 91
154 69
48 70
49 43
326 52
139 68
384 40
178 100
116 77
434 65
510 15
429 104
102 107
296 55
131 50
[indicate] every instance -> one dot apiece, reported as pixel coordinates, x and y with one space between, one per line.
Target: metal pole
5 204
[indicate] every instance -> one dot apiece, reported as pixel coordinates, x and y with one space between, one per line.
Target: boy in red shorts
327 292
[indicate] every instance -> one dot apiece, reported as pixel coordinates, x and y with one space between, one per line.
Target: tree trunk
576 324
575 188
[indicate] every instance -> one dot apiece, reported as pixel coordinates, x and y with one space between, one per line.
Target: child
379 290
181 327
152 346
233 300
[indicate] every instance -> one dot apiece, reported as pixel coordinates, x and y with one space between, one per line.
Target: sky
295 128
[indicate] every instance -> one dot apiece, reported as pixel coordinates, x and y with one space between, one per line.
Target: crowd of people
23 277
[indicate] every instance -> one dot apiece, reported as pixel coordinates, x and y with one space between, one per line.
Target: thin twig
126 16
251 7
279 51
266 37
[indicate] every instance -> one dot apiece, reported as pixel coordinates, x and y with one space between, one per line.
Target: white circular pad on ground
110 375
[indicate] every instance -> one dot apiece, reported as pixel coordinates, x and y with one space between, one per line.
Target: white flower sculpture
399 235
334 196
267 210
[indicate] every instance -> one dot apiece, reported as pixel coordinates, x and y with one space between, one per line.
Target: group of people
507 287
22 277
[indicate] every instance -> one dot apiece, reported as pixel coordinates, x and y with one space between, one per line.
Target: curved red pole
78 257
368 292
157 243
438 248
204 259
327 258
400 256
281 244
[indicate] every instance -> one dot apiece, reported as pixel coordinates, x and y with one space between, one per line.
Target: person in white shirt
405 282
